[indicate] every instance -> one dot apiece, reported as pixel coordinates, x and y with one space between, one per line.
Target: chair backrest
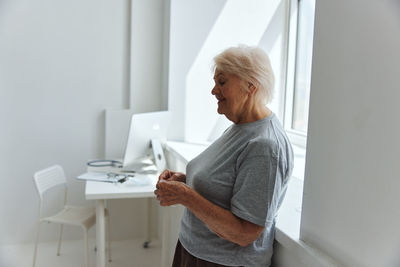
49 178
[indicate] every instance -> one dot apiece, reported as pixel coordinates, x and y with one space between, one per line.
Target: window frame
298 138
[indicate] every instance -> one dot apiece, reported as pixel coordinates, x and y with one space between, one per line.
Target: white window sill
184 151
289 216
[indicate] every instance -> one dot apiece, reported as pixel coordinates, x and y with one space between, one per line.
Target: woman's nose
214 90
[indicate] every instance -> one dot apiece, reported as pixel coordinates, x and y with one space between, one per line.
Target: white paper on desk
99 177
138 180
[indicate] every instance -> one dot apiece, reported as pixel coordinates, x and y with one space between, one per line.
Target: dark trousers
182 258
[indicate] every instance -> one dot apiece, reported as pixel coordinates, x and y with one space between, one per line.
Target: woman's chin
220 108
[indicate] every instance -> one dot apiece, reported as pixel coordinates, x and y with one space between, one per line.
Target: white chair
84 217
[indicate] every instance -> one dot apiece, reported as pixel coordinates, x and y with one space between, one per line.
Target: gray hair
251 65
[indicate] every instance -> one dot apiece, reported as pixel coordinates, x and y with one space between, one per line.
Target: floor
127 253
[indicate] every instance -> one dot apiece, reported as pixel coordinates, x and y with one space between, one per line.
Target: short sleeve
257 168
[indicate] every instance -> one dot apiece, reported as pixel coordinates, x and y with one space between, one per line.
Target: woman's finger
164 175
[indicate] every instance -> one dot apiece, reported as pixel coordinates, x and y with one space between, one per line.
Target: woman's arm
221 221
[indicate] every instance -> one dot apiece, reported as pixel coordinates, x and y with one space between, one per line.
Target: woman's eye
221 83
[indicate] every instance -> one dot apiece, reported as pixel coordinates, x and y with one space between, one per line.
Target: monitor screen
143 128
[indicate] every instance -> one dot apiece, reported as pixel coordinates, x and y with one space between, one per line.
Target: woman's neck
256 113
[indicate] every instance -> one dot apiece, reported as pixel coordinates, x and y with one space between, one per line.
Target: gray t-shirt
245 171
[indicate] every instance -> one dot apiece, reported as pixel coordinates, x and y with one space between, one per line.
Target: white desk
101 191
170 216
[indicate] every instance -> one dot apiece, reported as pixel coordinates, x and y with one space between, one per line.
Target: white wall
147 80
184 46
61 64
351 193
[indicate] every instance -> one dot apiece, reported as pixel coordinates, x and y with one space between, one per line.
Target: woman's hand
171 192
172 176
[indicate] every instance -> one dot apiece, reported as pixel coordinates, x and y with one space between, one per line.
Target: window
300 42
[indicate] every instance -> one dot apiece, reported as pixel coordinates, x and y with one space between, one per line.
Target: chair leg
36 244
108 237
59 239
86 247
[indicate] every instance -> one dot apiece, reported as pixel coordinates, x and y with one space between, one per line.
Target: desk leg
100 234
148 224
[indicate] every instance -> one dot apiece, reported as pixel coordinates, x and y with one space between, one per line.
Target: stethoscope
118 178
105 163
114 177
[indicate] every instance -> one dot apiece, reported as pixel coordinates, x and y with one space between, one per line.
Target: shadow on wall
396 9
273 31
395 261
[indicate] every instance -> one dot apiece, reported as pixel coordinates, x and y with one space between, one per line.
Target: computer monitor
143 128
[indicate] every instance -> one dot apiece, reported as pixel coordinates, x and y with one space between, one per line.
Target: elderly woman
232 191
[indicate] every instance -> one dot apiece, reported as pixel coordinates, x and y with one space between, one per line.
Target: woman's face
230 95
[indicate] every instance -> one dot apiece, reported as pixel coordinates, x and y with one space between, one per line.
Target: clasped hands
171 188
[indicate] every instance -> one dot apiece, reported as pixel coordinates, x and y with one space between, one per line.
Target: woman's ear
252 88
